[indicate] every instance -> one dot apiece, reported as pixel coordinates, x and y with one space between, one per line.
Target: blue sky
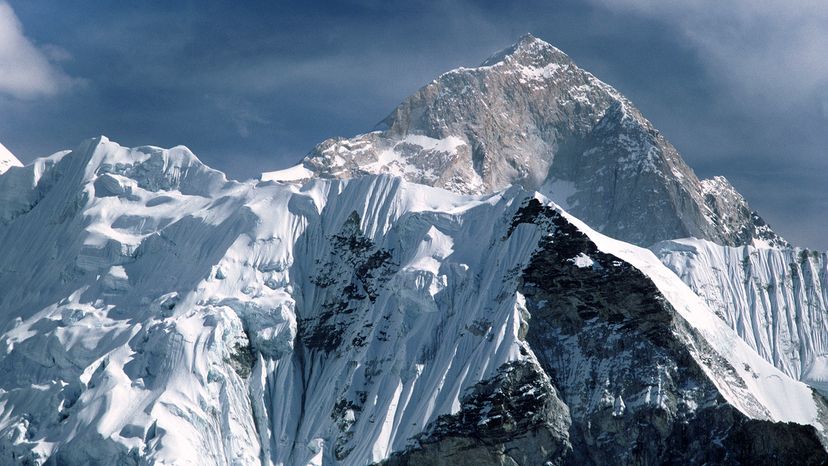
741 88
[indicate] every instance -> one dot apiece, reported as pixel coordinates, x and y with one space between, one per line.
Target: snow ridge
7 160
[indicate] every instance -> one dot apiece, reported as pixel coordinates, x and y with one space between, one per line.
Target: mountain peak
7 159
529 51
529 116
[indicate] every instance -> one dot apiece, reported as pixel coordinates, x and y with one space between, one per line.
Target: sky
739 87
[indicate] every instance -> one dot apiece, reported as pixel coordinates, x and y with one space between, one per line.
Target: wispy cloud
241 113
772 50
26 70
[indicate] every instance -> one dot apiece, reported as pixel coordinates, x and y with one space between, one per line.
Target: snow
166 269
447 144
618 407
534 73
582 260
395 159
294 173
759 243
7 160
774 298
415 157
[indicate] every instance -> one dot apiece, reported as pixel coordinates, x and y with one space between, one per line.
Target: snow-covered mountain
529 116
427 293
7 159
155 312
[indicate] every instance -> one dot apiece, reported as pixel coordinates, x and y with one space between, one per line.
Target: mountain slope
7 159
530 116
776 299
154 311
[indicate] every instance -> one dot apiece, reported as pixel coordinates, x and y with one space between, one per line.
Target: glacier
775 298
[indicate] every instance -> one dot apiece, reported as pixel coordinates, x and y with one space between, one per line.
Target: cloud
26 70
241 113
773 50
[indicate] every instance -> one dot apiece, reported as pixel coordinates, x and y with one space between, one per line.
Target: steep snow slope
153 311
775 298
7 159
529 116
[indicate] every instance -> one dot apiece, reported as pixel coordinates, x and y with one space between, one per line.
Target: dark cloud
253 86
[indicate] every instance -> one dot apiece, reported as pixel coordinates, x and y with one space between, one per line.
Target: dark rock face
619 378
762 442
624 363
514 418
350 279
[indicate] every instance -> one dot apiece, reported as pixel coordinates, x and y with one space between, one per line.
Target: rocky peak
529 51
727 206
478 130
529 116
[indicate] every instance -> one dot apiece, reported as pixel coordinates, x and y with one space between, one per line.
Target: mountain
529 116
155 312
7 159
426 293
